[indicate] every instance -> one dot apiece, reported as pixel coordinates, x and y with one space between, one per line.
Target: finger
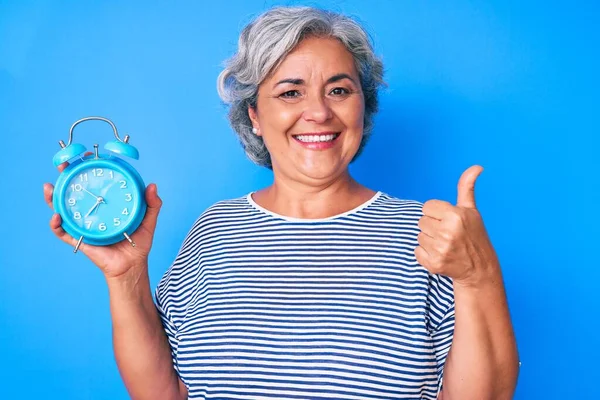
48 190
153 203
466 187
429 226
436 208
64 165
426 242
422 256
55 226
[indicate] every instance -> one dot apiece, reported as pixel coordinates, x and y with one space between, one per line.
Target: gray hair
262 46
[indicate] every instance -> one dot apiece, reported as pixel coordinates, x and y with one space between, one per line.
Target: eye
339 91
290 94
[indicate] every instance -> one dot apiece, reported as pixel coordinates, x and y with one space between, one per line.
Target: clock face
101 202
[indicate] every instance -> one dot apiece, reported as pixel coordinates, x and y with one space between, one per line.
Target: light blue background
512 86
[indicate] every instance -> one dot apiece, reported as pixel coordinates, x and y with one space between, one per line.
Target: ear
253 117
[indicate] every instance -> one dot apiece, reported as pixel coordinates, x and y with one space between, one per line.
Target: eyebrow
298 81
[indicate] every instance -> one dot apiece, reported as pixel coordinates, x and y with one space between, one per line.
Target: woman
316 286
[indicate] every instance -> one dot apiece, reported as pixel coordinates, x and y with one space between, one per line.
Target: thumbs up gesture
453 240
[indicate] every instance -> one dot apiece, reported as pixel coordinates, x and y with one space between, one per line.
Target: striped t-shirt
261 306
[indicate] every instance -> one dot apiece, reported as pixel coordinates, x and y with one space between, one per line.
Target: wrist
131 283
482 293
485 277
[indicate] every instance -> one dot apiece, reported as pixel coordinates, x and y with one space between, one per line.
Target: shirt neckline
310 220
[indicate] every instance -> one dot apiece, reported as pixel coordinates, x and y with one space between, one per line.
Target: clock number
77 215
128 197
125 211
112 174
117 221
98 172
102 227
72 202
88 224
76 187
123 184
83 177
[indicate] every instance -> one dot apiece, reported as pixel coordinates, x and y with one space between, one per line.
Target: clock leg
78 244
129 239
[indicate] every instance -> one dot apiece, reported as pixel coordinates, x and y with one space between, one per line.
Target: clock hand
92 209
100 200
95 206
85 190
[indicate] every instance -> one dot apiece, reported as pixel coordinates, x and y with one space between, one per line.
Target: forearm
141 347
483 360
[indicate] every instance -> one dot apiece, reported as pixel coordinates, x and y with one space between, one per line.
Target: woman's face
310 112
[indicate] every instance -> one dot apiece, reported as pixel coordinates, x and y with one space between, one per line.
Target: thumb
153 203
466 187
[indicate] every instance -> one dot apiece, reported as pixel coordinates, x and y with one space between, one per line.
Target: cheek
359 115
281 118
352 115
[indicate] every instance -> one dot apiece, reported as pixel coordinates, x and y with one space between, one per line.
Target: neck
299 200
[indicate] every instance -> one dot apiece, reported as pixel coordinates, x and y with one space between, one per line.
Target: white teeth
316 138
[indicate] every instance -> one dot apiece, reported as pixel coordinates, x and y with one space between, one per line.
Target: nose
317 110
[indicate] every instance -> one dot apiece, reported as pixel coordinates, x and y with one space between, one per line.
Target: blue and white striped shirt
262 306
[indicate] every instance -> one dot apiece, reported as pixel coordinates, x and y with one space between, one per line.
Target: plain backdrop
512 86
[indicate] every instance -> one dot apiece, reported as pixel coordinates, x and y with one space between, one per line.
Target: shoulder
225 209
221 212
389 207
406 214
220 215
397 203
223 215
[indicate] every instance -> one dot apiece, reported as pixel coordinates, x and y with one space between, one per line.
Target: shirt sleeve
169 328
186 258
440 319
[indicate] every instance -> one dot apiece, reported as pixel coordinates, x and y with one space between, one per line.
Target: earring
255 131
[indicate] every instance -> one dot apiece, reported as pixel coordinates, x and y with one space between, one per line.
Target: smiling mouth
317 138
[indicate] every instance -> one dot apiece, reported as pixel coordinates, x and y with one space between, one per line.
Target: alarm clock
100 197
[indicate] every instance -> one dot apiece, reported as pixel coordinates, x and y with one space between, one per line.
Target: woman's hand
453 240
483 358
117 259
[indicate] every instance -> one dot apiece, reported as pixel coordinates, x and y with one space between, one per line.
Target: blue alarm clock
100 197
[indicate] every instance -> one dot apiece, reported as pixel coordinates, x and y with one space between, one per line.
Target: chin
321 172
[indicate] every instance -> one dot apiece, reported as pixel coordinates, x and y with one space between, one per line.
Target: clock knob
67 153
